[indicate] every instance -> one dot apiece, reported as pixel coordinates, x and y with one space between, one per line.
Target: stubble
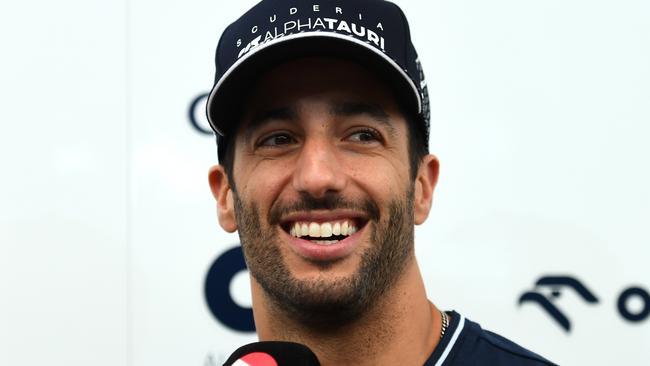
325 303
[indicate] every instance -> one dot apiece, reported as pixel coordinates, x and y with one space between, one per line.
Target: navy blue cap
373 33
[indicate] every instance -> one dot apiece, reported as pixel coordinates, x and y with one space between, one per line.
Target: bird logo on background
556 283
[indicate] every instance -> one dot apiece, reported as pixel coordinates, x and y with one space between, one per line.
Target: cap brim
224 103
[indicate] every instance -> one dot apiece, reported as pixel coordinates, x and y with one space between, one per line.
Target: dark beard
327 304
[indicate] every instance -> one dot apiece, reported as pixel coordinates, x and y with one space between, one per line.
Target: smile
325 233
323 228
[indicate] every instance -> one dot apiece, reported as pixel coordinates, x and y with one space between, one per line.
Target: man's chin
330 272
318 287
320 302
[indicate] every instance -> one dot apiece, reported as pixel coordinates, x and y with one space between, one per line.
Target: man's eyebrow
350 109
266 115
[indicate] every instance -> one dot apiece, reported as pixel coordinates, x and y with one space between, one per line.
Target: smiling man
321 115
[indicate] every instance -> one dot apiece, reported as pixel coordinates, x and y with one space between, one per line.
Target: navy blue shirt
465 343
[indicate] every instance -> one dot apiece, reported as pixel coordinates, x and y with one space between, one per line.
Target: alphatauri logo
313 22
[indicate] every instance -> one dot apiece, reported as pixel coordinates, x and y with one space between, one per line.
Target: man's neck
402 328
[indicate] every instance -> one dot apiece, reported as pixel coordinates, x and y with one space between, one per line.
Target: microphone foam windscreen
273 353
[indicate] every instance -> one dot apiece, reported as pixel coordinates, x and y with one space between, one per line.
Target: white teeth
336 229
322 230
314 230
344 228
326 230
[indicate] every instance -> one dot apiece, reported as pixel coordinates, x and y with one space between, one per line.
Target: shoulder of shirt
465 343
493 345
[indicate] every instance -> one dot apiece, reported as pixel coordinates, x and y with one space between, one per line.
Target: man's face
322 194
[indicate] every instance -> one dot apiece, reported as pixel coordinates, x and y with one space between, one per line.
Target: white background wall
539 116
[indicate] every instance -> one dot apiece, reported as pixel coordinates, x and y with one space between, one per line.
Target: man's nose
318 169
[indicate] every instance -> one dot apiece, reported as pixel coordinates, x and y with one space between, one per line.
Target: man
321 115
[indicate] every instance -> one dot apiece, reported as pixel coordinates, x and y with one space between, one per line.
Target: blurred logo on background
633 303
218 297
547 300
197 117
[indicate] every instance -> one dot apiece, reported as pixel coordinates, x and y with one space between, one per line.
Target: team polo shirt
465 343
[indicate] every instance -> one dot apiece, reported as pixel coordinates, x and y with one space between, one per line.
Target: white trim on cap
305 35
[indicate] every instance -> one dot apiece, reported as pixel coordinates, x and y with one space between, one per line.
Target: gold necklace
445 323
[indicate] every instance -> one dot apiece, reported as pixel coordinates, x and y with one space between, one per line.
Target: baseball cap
373 33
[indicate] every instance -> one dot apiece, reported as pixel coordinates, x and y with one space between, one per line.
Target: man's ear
425 184
222 193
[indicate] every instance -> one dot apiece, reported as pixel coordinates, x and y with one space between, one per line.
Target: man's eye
365 136
277 140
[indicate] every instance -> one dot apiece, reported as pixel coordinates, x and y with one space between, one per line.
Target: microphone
273 353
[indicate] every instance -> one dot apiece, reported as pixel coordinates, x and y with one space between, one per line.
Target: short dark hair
418 147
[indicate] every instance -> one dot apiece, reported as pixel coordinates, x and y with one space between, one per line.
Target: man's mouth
326 232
